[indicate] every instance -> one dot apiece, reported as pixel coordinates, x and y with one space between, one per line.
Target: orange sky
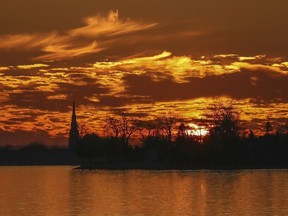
145 56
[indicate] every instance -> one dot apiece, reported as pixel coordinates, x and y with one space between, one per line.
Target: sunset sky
148 57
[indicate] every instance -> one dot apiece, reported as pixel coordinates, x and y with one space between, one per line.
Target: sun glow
196 130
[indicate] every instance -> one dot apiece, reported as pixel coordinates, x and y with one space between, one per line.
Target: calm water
62 191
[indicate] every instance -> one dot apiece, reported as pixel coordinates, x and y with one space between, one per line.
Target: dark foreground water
61 191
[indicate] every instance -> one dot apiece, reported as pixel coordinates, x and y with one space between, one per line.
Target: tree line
170 140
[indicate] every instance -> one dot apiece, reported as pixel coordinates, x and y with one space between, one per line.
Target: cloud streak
4 68
66 51
27 42
27 67
108 26
87 39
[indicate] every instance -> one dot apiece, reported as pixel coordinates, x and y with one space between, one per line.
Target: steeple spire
74 137
74 111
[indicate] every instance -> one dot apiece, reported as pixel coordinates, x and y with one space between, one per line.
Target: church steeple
74 137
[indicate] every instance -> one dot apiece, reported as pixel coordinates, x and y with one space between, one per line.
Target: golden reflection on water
56 191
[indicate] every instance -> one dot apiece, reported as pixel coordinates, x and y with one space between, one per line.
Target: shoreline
148 167
163 167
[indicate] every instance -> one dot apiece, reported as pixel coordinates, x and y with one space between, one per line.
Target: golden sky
149 57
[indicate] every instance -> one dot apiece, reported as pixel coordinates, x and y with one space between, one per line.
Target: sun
196 130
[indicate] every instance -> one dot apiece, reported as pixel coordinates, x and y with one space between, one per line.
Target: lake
63 191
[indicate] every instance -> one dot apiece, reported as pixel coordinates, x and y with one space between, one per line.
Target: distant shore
139 166
39 164
165 166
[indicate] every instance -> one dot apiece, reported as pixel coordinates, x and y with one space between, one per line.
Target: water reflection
63 191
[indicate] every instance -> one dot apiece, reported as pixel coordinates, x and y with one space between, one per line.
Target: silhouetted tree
167 124
182 130
268 128
224 141
122 127
113 126
283 129
251 136
83 129
225 122
147 129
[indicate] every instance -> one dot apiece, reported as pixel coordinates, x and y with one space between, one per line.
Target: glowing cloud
256 67
74 42
26 41
109 25
183 68
226 56
179 67
4 68
66 51
249 58
26 67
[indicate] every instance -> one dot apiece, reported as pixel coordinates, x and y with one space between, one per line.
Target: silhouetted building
74 137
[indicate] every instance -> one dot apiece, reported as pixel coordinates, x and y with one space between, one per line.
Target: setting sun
196 130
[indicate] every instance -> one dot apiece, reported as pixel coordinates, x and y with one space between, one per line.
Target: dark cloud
82 92
36 100
82 77
118 101
27 97
25 74
258 85
23 119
